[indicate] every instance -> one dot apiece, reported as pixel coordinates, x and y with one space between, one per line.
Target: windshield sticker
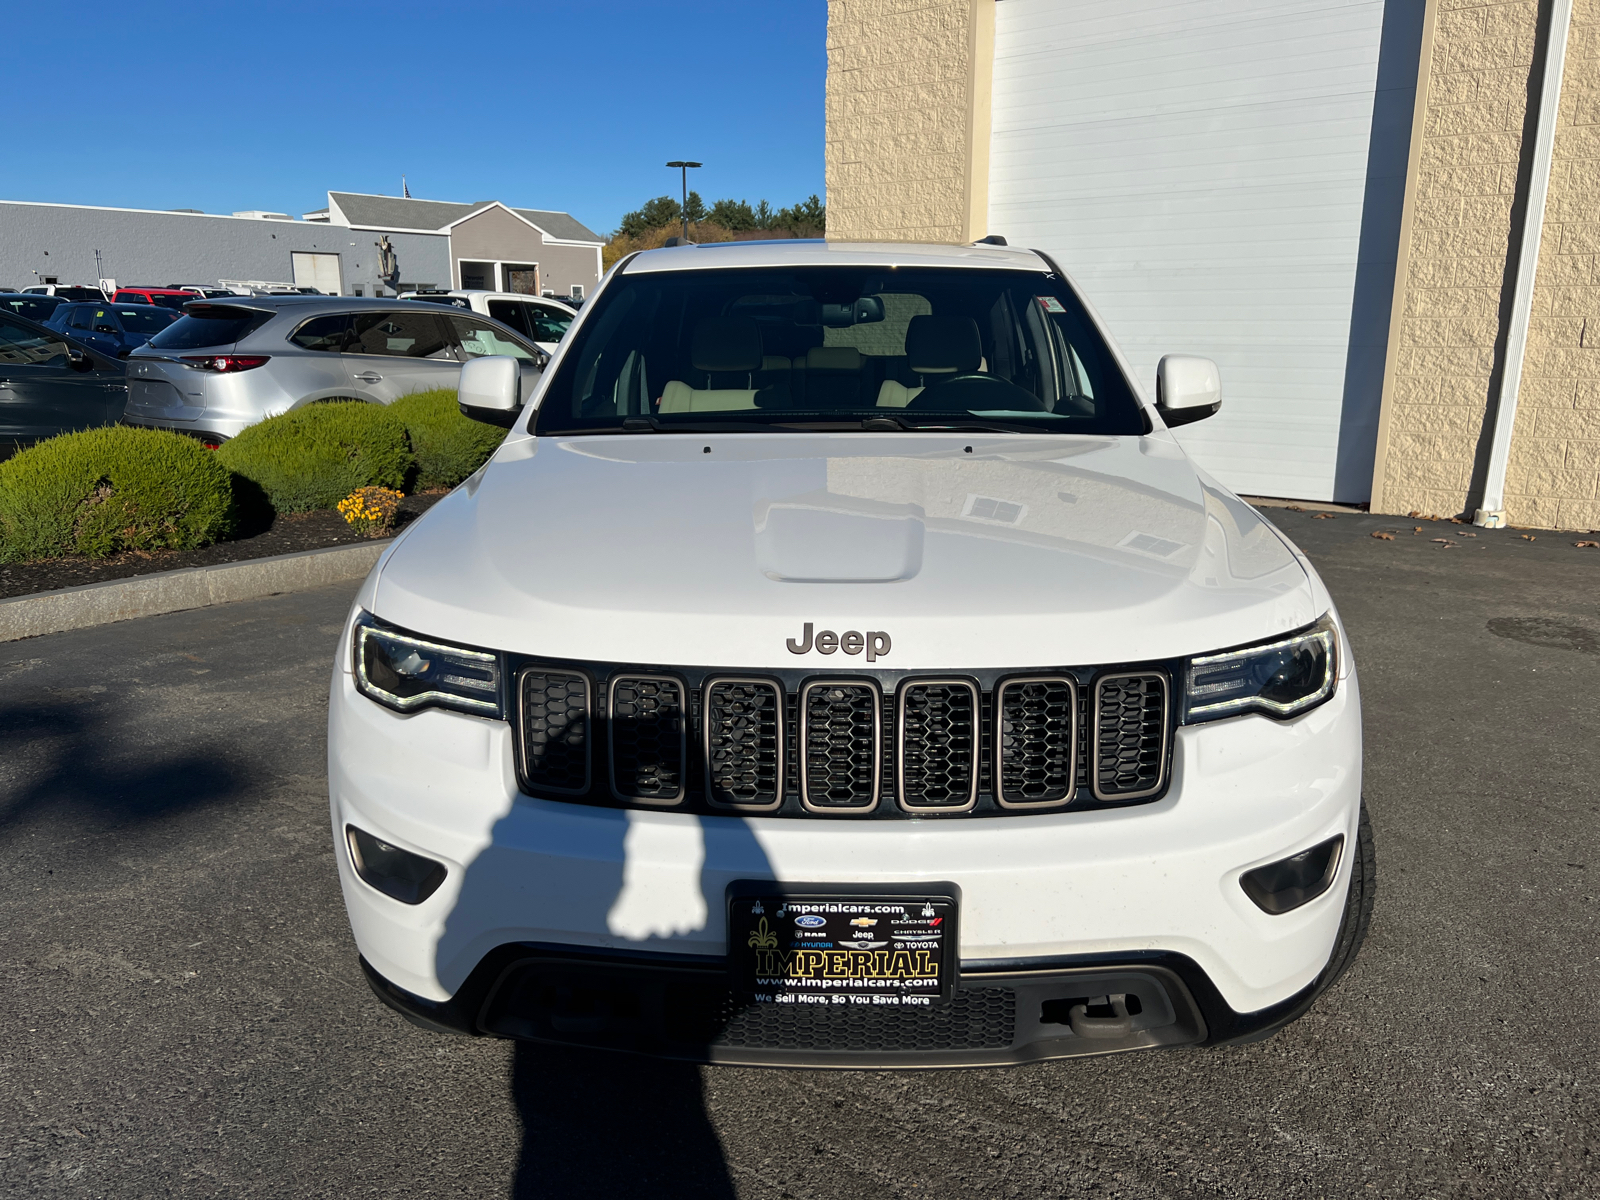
1052 305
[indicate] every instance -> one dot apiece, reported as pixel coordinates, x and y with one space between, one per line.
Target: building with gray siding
337 249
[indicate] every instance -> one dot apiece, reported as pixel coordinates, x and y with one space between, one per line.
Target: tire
1352 932
1357 905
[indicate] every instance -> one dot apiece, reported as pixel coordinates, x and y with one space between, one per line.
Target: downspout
1492 514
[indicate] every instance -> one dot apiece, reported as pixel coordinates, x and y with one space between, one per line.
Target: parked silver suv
227 364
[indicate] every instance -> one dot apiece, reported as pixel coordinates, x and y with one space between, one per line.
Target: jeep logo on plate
874 642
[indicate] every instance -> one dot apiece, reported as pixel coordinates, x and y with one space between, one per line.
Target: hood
968 551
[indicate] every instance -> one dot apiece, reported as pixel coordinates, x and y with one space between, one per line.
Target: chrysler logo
874 642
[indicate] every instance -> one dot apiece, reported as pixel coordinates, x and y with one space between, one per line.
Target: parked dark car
165 297
113 329
51 384
34 307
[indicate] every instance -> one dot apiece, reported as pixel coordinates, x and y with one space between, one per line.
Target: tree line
736 216
653 222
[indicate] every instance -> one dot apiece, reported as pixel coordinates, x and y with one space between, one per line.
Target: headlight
407 673
1280 679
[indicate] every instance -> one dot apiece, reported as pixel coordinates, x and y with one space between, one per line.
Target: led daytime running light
463 679
1209 676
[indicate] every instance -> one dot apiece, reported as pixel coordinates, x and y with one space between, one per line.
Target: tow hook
1119 1024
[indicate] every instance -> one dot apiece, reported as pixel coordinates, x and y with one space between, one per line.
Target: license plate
891 950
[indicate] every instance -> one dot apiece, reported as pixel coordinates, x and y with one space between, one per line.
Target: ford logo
810 922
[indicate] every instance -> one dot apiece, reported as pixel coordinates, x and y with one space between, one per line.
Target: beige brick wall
908 119
1455 254
1553 473
1437 399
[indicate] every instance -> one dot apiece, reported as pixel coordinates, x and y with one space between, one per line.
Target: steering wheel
976 392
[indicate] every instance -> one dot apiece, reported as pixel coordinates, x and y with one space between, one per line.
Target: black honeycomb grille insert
1130 735
1038 754
973 1018
647 738
842 745
744 747
938 747
555 729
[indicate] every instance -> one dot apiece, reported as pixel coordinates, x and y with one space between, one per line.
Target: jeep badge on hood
874 642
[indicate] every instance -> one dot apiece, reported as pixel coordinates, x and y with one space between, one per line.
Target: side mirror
1188 389
491 390
78 360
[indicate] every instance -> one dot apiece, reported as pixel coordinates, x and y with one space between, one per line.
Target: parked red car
165 297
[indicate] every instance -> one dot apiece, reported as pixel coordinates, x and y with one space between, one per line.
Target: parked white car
541 318
840 663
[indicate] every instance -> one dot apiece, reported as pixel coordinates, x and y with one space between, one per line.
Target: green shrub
448 446
116 488
314 457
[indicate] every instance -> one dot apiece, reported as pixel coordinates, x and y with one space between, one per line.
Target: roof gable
397 212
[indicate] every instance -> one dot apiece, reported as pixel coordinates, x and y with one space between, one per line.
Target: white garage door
1202 170
320 271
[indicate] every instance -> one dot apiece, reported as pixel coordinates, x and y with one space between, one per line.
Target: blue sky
226 107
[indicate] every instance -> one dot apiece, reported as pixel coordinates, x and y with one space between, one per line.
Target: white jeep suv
841 664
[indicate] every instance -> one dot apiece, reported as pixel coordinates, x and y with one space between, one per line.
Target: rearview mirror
1188 389
864 311
490 390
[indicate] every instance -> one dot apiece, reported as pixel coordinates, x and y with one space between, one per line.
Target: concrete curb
174 591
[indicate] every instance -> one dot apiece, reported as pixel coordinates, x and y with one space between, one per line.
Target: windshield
840 348
35 308
145 320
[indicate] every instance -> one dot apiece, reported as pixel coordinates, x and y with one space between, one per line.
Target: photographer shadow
601 1122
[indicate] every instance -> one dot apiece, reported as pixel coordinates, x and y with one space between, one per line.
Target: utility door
1222 177
320 271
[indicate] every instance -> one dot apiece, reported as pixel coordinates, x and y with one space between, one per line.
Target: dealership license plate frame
851 980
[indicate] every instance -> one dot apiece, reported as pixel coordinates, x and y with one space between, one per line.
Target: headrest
726 344
833 358
943 345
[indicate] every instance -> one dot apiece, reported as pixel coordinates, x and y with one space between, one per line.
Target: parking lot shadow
602 1124
67 753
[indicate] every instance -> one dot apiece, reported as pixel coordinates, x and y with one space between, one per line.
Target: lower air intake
1130 736
744 743
647 738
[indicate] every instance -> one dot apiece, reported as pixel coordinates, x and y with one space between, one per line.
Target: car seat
721 347
942 347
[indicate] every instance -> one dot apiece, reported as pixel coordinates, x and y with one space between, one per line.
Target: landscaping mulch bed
287 535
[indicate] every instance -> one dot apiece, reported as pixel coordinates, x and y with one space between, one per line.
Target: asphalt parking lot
185 1015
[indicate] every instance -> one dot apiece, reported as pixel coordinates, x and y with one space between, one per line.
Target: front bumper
1152 890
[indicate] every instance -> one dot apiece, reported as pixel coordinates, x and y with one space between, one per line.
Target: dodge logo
874 642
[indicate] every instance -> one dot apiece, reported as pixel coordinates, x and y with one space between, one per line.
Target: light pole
684 167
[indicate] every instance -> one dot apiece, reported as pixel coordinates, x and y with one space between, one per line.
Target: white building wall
1201 167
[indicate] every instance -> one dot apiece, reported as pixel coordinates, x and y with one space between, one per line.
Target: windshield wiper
957 426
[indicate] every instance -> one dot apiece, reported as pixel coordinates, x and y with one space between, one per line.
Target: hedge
448 446
116 488
314 457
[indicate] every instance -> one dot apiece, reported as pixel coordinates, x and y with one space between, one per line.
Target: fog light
1285 885
407 877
